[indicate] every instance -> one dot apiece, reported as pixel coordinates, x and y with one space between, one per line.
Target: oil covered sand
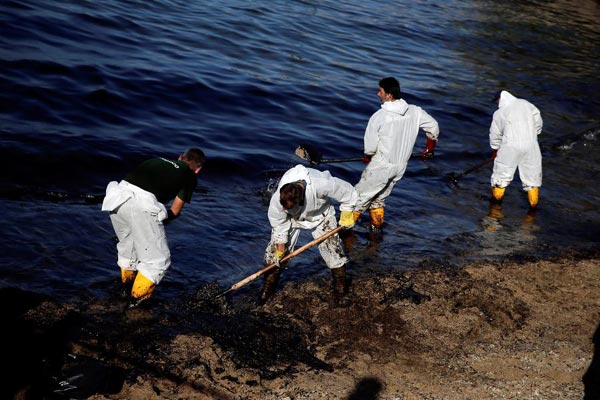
515 330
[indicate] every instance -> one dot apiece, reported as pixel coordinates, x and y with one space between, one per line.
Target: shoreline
488 330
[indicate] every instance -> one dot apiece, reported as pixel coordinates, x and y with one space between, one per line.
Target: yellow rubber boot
376 216
142 288
498 193
533 197
127 275
356 215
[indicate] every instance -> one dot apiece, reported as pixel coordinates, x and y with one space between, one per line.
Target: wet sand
515 330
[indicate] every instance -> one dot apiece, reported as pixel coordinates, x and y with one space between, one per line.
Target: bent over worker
389 140
303 200
138 217
513 138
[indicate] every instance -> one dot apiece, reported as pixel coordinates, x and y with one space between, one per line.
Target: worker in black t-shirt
138 216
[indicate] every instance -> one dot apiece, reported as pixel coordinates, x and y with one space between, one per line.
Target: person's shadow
366 389
591 378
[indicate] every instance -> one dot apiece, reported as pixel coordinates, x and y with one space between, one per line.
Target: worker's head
291 195
195 158
389 89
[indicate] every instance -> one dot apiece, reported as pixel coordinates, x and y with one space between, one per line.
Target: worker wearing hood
389 140
304 200
513 138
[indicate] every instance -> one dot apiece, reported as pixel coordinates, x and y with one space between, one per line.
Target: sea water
90 89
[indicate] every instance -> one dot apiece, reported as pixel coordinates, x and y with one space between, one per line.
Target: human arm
279 253
371 139
496 132
338 190
279 220
177 206
280 224
429 150
429 125
347 196
175 210
537 120
432 130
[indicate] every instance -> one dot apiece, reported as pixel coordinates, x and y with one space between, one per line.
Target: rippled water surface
89 89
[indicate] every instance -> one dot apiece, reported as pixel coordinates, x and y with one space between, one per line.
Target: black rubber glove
170 217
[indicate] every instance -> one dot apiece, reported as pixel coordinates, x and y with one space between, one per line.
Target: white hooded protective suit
390 137
317 214
137 218
514 130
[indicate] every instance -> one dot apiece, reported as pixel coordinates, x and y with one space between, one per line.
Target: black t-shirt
165 179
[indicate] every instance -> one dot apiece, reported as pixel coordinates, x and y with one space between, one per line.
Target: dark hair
497 95
291 194
195 156
390 85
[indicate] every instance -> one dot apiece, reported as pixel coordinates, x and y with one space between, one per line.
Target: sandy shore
488 331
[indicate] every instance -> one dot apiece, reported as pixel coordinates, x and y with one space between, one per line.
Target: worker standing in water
513 139
389 140
304 200
138 217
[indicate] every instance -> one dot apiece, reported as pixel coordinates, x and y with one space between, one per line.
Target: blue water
89 89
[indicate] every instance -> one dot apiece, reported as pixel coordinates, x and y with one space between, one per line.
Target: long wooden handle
336 160
476 167
310 153
284 259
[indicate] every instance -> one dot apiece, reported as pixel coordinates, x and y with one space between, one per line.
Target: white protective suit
514 130
137 218
317 215
390 137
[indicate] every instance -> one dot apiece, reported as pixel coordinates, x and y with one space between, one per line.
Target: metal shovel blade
309 153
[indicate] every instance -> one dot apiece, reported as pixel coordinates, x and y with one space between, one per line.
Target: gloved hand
277 256
429 149
367 159
494 153
170 217
347 219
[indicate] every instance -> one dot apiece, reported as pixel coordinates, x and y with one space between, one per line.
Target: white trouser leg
505 166
147 234
530 168
331 248
374 186
126 255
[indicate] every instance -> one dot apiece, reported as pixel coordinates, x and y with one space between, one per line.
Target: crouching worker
138 217
303 200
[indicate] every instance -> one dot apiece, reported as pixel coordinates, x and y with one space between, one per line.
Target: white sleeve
537 120
496 132
339 190
429 125
371 135
280 221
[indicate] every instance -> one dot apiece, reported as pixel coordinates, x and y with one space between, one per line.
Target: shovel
456 177
314 156
286 258
310 153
